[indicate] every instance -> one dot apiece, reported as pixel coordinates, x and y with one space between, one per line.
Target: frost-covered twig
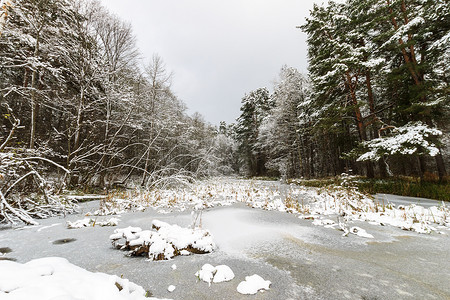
15 124
49 161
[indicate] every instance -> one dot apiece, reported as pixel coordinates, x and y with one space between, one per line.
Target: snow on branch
400 32
413 138
49 161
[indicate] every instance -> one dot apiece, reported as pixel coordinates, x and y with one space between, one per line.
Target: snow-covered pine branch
411 139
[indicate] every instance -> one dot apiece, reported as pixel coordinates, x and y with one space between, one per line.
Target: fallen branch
21 215
18 181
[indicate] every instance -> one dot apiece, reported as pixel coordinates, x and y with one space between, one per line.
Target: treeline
74 90
375 103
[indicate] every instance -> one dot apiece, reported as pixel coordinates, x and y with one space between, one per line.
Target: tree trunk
422 165
359 120
33 96
382 167
440 166
79 119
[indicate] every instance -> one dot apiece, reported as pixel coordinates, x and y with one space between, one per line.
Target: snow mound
171 288
164 241
253 284
87 222
56 278
223 273
359 232
220 273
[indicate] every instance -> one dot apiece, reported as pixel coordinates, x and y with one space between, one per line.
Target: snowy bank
56 278
344 201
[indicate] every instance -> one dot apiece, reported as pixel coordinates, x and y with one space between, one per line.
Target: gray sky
219 50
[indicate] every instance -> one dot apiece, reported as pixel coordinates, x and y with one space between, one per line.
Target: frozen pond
301 260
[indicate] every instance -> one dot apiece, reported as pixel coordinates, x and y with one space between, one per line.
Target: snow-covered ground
304 254
56 278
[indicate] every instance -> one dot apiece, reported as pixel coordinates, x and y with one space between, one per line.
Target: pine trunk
440 166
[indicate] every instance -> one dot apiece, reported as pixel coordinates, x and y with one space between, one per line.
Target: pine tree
255 107
279 132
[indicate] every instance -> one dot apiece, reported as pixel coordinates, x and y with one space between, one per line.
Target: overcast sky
219 50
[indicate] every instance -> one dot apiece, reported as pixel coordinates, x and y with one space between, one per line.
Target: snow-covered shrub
163 242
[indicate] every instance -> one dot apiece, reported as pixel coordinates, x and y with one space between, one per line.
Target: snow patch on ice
171 288
360 232
253 284
88 222
209 273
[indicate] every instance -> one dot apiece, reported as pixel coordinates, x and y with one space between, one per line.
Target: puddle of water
5 250
63 241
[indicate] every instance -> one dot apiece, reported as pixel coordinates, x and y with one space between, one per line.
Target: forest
331 183
81 109
375 101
